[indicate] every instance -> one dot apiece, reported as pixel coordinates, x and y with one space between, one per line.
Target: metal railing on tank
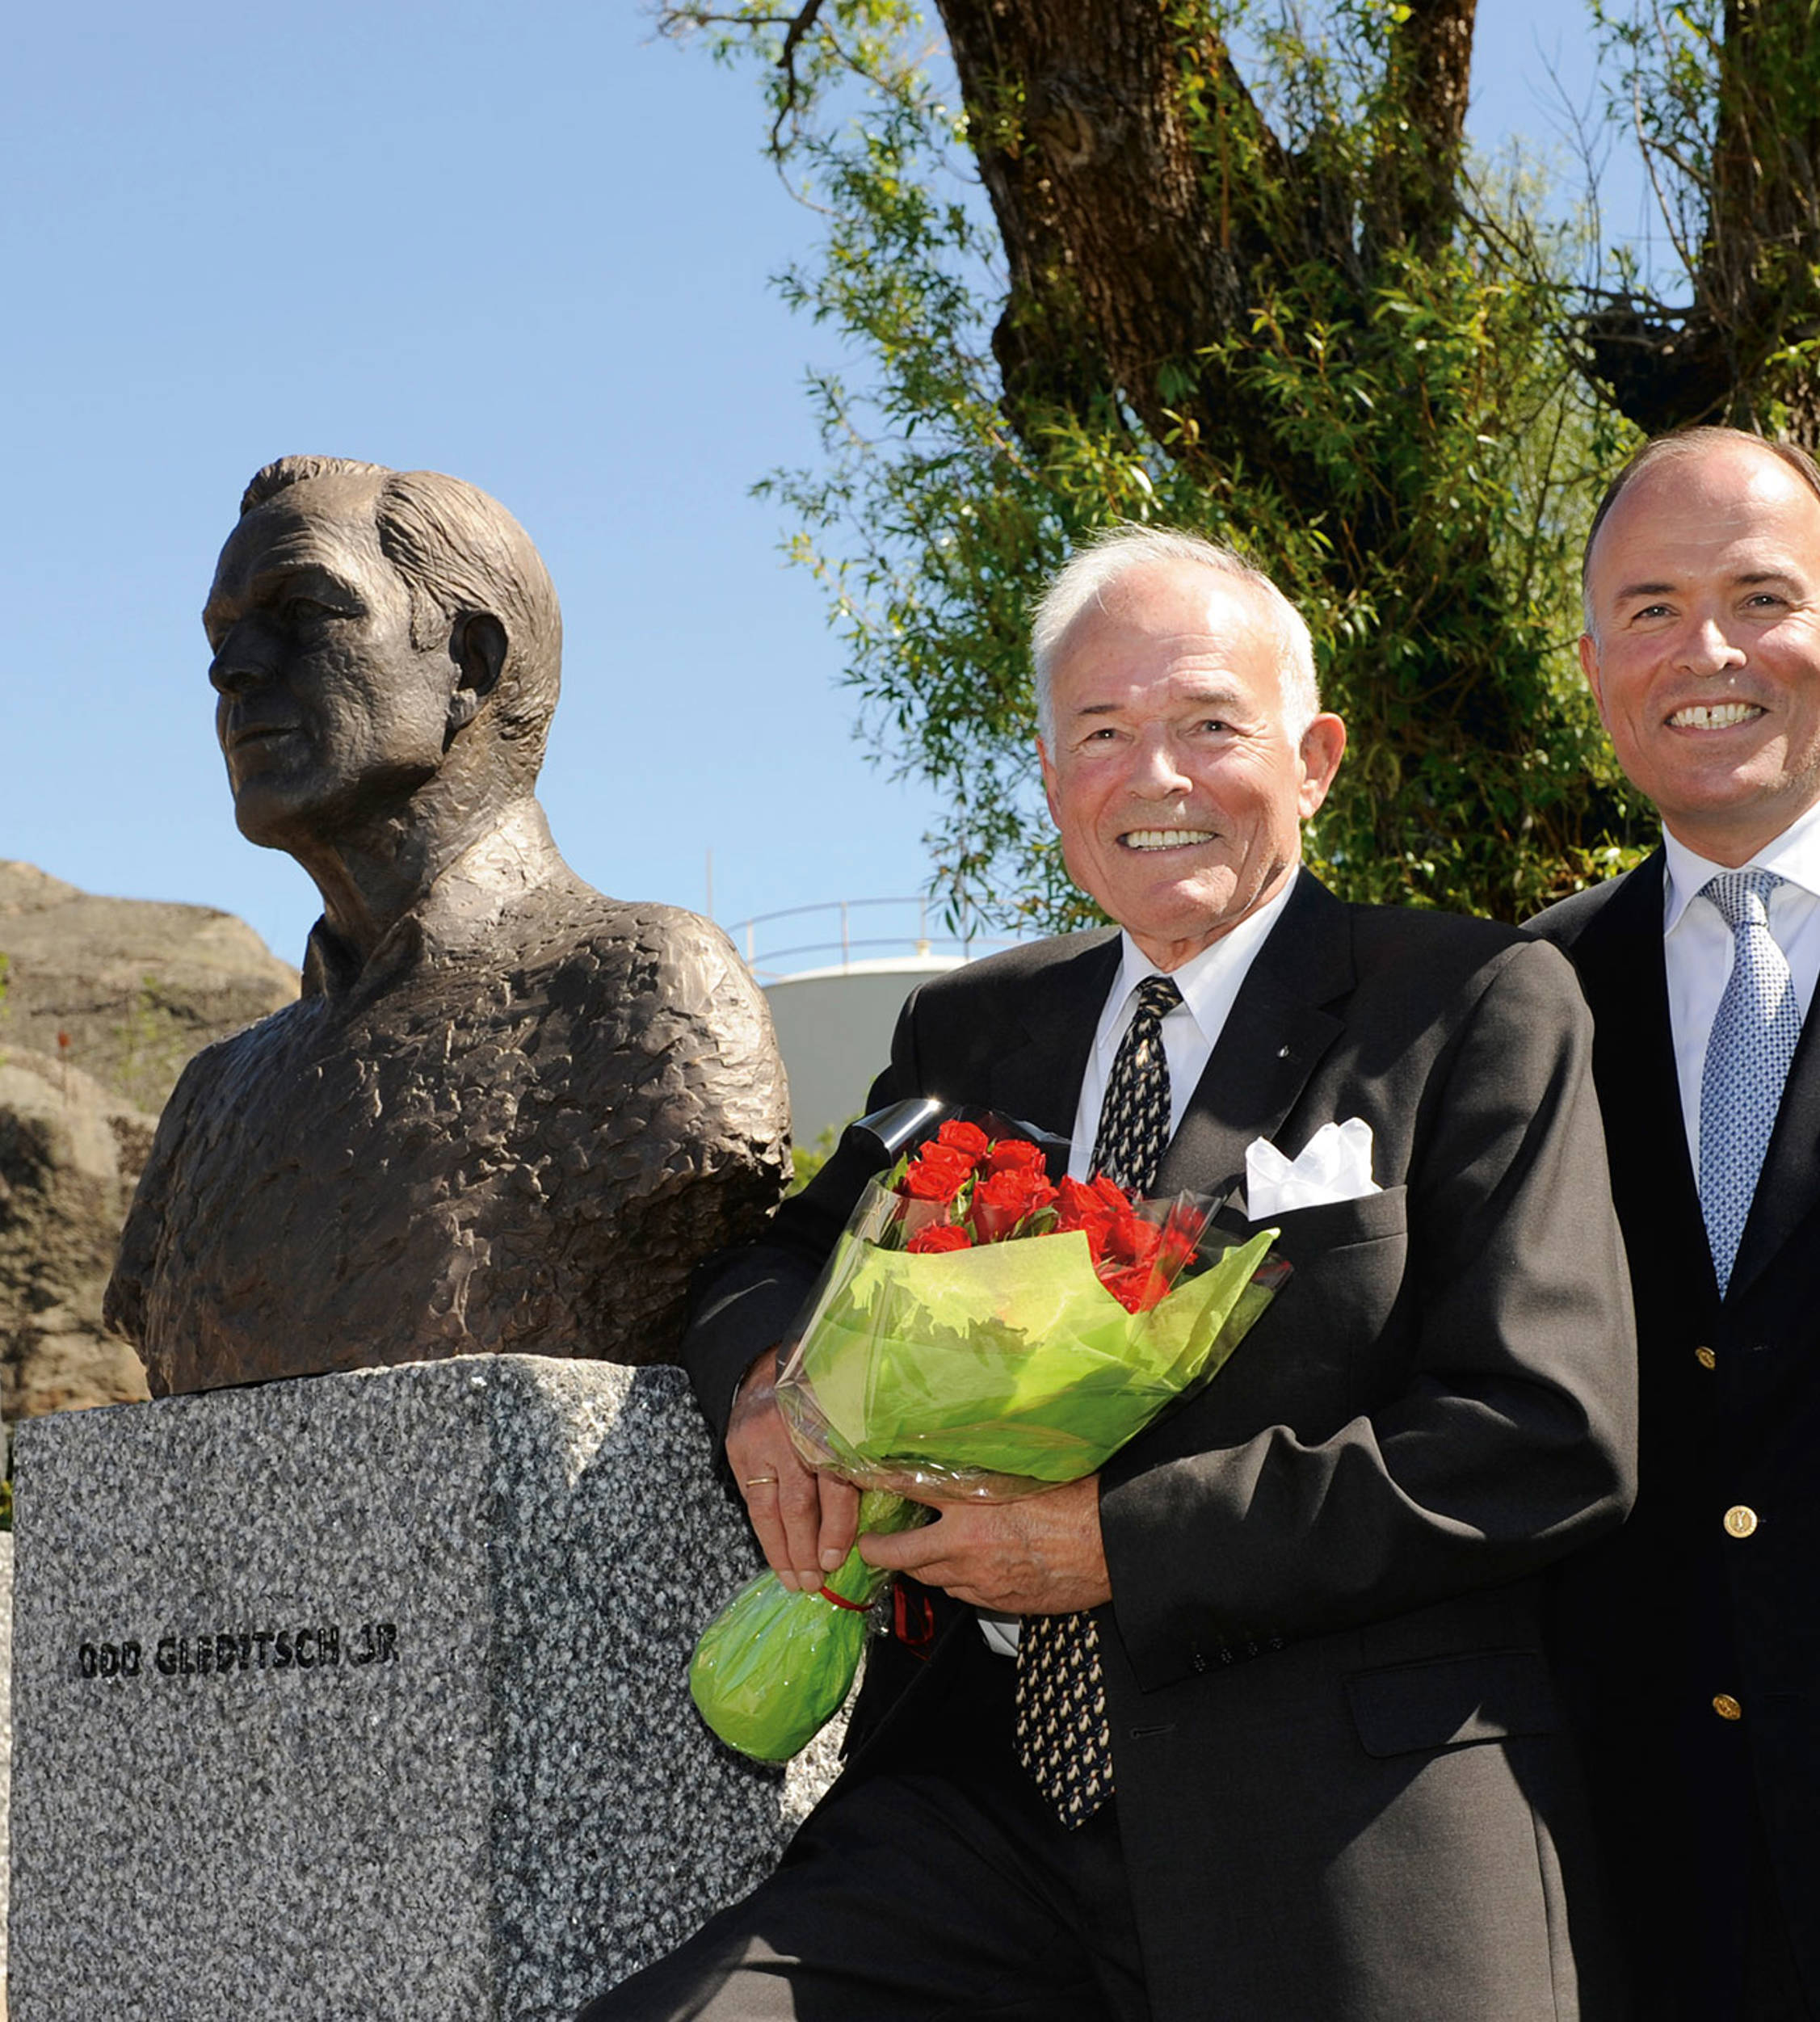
851 940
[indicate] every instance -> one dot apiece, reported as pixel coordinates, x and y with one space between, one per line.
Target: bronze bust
507 1114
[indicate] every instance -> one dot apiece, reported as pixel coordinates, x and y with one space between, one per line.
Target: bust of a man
507 1114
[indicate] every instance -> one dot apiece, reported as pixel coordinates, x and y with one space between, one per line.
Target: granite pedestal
364 1695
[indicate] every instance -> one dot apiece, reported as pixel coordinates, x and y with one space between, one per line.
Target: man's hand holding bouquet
982 1336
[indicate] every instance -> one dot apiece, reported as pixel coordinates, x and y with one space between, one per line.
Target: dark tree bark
1122 252
1138 191
1145 204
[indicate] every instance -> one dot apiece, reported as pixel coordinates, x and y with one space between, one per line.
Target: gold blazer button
1740 1521
1726 1707
1706 1358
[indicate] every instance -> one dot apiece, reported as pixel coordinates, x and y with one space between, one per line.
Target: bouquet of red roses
979 1330
982 1331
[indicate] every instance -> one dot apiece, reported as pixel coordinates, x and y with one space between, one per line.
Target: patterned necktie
1063 1739
1747 1057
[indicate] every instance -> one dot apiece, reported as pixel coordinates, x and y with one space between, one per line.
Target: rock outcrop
69 1152
102 1001
126 989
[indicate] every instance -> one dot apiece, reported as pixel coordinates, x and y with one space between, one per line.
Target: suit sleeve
1497 1422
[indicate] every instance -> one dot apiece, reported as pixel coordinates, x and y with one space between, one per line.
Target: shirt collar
1793 855
1206 979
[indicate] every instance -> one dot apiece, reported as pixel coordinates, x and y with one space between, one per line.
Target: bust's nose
241 663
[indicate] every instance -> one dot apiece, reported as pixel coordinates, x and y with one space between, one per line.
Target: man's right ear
477 647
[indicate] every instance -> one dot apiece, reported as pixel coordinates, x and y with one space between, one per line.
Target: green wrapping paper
988 1372
773 1668
998 1371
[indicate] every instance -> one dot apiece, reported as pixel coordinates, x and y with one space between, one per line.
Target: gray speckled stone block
364 1695
6 1739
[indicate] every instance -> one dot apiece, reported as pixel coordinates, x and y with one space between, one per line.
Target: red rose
1014 1154
1006 1199
1136 1287
1177 1249
937 1173
967 1137
1132 1239
939 1237
1078 1207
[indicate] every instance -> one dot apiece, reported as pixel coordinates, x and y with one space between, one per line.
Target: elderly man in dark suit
1311 1764
1698 1623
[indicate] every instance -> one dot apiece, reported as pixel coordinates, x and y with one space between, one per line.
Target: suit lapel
1037 1079
1789 1184
1271 1042
1625 981
1620 958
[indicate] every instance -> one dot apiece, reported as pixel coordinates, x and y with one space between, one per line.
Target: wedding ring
759 1481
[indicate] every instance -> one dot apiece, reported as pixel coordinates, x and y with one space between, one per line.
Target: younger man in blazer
1698 1624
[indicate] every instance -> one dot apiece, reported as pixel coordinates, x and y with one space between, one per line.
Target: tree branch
791 91
1744 341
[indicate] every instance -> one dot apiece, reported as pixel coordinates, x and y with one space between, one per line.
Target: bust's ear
477 647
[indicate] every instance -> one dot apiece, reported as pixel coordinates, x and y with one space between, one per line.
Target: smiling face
1703 588
1177 789
327 715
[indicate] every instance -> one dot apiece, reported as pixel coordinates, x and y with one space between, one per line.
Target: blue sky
530 246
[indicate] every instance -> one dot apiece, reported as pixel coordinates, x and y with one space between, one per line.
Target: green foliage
153 1041
1394 429
1450 442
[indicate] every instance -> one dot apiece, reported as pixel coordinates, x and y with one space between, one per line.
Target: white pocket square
1335 1164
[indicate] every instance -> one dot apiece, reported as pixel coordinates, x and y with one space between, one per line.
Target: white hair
1112 554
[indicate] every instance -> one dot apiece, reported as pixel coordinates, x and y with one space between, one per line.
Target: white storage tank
834 1030
835 987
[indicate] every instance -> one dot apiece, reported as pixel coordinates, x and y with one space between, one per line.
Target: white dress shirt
1697 945
1208 982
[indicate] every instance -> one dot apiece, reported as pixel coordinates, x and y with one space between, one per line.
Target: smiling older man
1697 1624
1303 1609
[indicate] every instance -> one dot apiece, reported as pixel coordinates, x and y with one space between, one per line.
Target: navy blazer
1677 1610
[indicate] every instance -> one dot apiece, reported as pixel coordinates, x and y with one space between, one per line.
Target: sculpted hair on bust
458 552
1113 553
1673 448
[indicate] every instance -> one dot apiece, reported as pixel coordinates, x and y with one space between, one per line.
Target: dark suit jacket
1675 1609
1342 1791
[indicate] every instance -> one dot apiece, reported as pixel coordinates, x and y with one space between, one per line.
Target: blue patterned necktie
1747 1057
1063 1739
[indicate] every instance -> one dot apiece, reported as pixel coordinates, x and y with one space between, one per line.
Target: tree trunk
1124 253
